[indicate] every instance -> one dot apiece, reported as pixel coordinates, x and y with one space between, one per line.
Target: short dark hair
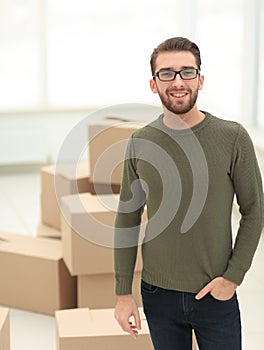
175 44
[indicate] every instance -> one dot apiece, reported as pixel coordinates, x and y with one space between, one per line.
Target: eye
188 73
166 74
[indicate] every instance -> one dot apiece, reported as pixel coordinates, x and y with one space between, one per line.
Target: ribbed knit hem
123 285
191 286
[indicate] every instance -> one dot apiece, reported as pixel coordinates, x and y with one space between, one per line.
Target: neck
182 121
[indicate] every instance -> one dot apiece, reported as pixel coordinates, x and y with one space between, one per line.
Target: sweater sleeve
127 224
247 184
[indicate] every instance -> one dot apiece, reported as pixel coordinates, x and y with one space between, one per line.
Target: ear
201 82
153 86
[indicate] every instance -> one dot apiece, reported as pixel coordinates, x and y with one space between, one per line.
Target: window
66 54
19 54
219 32
78 54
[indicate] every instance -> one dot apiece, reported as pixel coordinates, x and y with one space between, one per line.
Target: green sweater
187 180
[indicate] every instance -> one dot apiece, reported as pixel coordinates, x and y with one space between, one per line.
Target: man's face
178 96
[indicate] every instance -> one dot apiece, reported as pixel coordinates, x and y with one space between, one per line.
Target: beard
178 107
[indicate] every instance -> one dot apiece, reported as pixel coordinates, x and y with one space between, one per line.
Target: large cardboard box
33 274
87 232
98 291
107 145
82 328
4 329
59 180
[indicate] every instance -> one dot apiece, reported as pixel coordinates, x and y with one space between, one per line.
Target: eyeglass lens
185 74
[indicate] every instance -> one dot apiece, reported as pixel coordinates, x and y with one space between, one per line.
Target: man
186 167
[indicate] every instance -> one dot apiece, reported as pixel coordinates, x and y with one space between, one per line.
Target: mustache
177 90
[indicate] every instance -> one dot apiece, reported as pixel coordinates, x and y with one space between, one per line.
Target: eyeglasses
170 75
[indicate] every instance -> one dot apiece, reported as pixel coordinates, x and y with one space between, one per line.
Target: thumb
137 319
203 291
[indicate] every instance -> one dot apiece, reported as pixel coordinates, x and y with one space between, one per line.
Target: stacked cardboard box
4 329
34 274
87 236
97 329
61 186
107 145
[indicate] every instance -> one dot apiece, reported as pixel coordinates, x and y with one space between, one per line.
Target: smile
178 94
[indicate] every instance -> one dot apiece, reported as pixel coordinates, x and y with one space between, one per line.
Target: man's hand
125 308
220 288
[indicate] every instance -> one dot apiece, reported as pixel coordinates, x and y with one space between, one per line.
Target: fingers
133 330
207 289
128 326
202 293
222 289
125 310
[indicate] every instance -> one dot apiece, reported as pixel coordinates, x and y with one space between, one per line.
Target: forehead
175 60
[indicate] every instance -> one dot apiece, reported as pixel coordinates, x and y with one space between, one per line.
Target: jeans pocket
222 301
148 288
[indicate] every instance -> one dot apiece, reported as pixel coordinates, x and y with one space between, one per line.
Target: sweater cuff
123 285
234 275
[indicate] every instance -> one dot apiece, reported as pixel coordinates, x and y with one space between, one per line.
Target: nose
177 81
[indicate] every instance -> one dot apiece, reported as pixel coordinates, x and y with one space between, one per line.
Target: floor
19 208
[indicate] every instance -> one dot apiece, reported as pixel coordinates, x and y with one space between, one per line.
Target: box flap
86 202
31 246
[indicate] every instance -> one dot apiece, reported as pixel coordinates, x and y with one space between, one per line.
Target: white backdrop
63 54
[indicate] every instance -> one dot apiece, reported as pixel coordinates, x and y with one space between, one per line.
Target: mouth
178 95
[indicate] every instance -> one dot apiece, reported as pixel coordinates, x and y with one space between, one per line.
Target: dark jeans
172 316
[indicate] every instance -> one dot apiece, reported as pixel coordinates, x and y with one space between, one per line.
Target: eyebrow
171 68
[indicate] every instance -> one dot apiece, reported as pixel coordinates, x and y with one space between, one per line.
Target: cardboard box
4 329
34 276
45 231
98 291
81 255
81 329
61 180
85 222
107 145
